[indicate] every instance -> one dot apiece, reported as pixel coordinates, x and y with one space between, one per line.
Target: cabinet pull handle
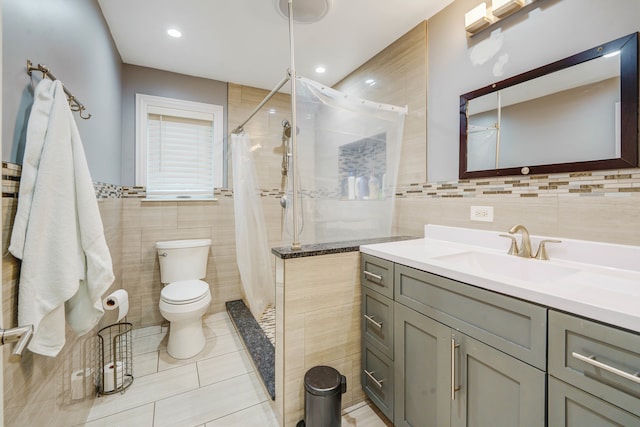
591 360
454 388
374 277
373 322
377 382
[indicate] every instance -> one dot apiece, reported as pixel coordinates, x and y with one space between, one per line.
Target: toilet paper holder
114 361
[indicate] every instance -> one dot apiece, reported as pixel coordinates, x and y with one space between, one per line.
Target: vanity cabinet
593 373
461 355
377 375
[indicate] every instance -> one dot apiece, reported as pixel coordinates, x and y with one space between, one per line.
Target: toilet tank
183 259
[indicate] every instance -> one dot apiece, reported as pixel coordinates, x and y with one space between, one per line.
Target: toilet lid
184 292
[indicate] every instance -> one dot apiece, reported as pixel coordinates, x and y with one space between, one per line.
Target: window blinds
180 156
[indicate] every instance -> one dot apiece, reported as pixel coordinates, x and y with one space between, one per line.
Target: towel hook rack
74 103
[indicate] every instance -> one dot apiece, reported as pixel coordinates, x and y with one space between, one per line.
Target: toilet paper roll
77 385
112 376
120 300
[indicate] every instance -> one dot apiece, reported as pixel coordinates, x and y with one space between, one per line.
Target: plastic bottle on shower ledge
351 186
374 187
362 188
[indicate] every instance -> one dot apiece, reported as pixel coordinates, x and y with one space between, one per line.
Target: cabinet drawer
571 407
612 355
377 321
377 379
516 327
377 274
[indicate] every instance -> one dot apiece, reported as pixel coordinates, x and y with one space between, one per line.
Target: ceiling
247 41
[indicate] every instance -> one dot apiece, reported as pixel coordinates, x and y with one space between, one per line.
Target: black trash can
323 387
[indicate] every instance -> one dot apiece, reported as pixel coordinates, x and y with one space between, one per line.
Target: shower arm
266 99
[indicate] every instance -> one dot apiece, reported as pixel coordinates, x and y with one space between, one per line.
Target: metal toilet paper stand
114 364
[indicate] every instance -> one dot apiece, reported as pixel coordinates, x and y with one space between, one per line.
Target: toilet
185 298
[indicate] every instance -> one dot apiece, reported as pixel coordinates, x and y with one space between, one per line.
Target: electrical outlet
482 213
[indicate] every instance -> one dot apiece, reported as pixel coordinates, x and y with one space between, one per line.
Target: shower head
304 11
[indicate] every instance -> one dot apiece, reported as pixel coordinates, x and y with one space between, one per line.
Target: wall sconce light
477 18
480 18
502 8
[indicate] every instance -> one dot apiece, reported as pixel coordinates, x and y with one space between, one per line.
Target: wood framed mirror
576 114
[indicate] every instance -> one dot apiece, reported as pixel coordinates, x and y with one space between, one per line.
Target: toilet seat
185 292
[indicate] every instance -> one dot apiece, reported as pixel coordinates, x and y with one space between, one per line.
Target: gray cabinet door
495 389
422 370
571 407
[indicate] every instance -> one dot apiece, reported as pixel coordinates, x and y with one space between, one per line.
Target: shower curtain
348 157
252 247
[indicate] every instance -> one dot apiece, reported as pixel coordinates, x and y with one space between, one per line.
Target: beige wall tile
265 129
317 323
604 219
539 215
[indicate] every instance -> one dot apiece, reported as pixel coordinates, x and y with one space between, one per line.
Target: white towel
58 233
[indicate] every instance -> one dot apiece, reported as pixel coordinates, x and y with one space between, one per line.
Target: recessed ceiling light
320 69
174 33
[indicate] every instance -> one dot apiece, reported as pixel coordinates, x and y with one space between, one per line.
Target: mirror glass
580 113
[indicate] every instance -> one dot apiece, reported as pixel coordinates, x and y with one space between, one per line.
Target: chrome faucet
525 242
21 335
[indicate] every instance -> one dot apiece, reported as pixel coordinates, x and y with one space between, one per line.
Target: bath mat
260 348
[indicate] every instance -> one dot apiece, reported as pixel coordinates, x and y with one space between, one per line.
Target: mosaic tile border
609 183
584 184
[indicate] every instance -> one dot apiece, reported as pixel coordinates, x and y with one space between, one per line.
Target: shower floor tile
268 323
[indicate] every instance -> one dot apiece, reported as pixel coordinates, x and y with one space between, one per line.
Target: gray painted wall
457 64
73 40
150 81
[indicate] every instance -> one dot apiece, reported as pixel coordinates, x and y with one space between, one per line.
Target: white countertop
599 281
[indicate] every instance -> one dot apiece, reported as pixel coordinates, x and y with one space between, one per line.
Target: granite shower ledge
315 249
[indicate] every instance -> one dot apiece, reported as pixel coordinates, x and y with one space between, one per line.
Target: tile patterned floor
217 388
268 323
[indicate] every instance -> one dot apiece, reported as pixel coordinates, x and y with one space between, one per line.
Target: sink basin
530 270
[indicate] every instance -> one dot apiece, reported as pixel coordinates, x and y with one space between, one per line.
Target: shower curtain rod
266 99
74 103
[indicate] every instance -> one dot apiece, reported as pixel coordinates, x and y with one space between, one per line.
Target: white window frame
146 104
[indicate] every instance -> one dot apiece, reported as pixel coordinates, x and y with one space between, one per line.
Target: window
179 148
